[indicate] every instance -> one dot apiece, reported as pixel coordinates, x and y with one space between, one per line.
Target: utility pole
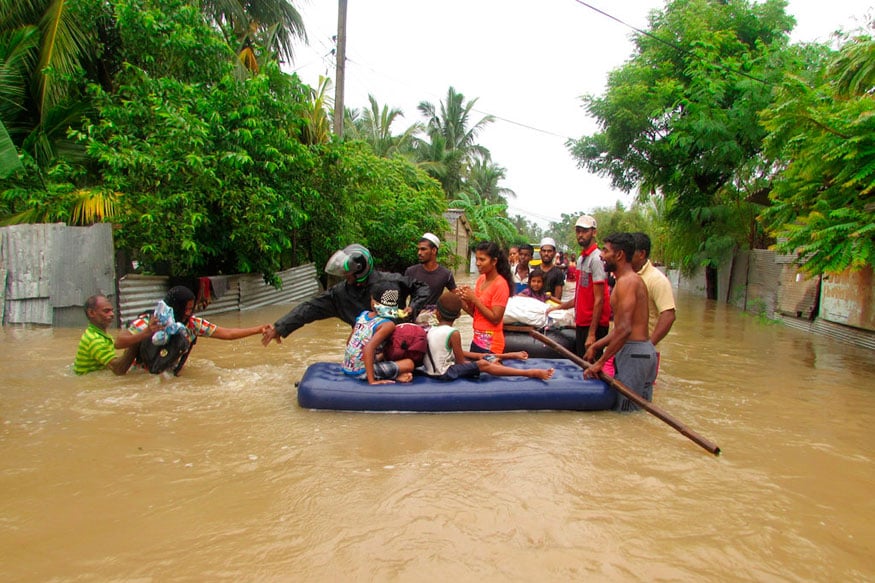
341 66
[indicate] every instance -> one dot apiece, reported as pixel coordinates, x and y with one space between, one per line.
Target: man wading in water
628 341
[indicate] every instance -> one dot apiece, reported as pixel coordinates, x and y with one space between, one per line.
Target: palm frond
9 160
94 206
63 43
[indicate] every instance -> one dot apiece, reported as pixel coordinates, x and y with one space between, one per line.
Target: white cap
548 242
431 238
585 222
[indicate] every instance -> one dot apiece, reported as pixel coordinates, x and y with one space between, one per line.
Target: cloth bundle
165 316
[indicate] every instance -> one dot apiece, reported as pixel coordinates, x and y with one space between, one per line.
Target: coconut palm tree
483 178
374 126
272 25
450 126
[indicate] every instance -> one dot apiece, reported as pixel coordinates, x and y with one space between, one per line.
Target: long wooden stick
708 445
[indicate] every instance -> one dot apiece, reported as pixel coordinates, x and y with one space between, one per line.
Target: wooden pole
708 445
341 69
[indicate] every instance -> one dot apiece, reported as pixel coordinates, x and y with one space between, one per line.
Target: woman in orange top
488 300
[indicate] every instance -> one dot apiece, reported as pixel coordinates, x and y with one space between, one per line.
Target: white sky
525 62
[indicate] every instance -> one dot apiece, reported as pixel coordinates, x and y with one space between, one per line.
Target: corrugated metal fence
140 293
48 270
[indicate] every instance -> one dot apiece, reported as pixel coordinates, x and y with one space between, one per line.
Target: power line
670 44
498 117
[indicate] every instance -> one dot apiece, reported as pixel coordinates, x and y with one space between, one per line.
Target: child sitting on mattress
446 360
363 357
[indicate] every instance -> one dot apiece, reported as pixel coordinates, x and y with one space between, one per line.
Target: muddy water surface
219 475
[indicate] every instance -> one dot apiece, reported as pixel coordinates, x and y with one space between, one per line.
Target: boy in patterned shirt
363 358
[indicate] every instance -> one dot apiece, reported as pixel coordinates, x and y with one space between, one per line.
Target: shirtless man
628 341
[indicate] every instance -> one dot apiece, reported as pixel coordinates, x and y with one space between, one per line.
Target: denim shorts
384 369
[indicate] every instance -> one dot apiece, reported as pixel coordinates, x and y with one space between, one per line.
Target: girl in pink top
488 300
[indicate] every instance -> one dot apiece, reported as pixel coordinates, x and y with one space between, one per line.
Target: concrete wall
764 283
848 298
458 239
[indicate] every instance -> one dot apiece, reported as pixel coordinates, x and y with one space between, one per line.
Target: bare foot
404 377
542 373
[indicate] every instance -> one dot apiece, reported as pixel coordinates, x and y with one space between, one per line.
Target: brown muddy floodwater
219 475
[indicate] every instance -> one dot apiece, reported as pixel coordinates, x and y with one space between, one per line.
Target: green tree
526 231
211 182
823 200
387 203
679 120
57 184
451 144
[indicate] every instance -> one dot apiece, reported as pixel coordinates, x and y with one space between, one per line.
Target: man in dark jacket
349 298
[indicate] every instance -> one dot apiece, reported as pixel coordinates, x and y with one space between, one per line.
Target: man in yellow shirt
662 305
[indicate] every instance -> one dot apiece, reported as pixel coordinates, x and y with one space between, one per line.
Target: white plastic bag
526 311
561 318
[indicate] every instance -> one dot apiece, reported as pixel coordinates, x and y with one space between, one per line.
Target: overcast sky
527 63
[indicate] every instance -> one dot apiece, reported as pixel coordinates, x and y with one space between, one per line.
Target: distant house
458 240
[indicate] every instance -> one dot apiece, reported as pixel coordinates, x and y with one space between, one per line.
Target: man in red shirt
592 306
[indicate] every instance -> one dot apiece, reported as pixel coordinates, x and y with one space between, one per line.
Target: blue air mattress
324 386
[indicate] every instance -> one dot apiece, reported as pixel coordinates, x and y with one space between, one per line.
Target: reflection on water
218 474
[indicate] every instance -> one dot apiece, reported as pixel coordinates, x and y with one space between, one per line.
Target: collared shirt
659 292
96 350
591 270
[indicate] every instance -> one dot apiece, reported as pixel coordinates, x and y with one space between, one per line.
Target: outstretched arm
321 307
236 333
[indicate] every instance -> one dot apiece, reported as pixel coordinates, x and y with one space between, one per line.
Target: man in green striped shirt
97 349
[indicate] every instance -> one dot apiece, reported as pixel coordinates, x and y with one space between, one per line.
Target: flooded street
219 475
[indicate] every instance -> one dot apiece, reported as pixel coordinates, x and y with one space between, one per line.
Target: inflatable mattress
517 339
324 386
